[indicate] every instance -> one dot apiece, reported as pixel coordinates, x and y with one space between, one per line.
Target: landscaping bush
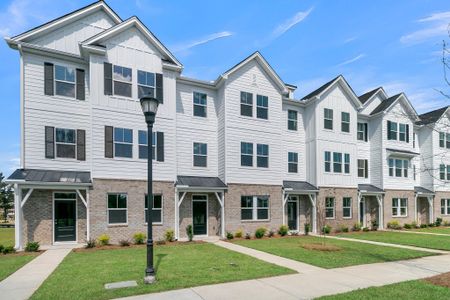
248 236
103 240
91 243
407 226
356 227
139 238
307 228
438 222
431 225
229 235
271 233
239 233
8 249
124 243
294 232
190 232
169 235
260 232
394 225
343 228
366 229
283 230
32 247
423 225
326 229
1 248
374 225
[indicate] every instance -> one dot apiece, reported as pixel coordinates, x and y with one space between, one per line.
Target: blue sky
395 44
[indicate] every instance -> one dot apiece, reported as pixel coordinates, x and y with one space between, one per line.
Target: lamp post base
149 279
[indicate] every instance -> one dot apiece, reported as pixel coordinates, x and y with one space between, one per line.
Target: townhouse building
238 152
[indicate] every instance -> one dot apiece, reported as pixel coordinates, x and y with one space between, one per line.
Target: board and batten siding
376 150
364 152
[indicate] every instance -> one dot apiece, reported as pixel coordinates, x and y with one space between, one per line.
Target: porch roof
299 186
369 188
200 182
37 176
400 152
422 190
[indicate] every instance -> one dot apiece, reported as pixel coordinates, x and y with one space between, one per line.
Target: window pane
65 151
121 201
262 101
200 161
122 89
117 216
246 201
263 214
145 91
156 216
246 110
142 137
65 135
65 89
246 160
292 168
262 162
112 201
123 150
122 73
157 201
60 72
262 113
262 149
246 214
199 111
262 202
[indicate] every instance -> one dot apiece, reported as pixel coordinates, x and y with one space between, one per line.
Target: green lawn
351 253
419 240
12 262
411 290
7 236
82 275
444 230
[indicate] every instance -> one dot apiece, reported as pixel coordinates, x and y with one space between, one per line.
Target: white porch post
175 225
380 212
313 199
177 212
416 219
18 217
359 207
88 222
220 198
431 208
285 197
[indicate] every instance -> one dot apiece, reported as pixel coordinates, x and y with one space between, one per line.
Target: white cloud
436 25
352 60
202 41
289 23
350 39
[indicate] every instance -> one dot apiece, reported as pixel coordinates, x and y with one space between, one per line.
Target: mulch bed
23 253
441 280
115 247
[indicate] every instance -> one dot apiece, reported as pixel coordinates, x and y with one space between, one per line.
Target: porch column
416 217
220 198
380 211
177 213
313 199
175 225
284 200
18 217
359 209
88 222
431 208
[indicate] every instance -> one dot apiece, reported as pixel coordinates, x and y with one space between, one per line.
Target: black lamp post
149 107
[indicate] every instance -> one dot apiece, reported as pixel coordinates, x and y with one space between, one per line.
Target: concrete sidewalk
25 281
313 284
418 232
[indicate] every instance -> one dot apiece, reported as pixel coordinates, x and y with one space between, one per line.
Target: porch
424 205
370 205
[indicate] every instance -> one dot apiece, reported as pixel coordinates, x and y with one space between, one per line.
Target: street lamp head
149 107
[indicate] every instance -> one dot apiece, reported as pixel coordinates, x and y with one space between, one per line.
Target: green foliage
366 229
283 230
423 225
343 228
169 235
103 240
91 243
248 236
124 243
190 232
271 233
238 234
357 227
6 197
326 229
307 228
374 225
139 238
394 225
32 247
438 222
229 235
8 249
260 232
1 248
407 226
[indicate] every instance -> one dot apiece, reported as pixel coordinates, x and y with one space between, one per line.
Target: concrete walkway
25 281
418 232
312 284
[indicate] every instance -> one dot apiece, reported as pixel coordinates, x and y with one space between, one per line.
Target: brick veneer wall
389 194
437 205
338 194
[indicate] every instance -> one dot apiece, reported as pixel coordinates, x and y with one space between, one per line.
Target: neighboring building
235 153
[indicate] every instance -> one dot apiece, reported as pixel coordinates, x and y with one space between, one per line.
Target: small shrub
1 248
238 234
394 225
414 224
190 232
326 229
431 225
374 225
407 226
91 243
260 232
446 223
139 238
160 242
307 228
357 227
366 229
32 247
229 235
423 225
438 222
124 243
248 236
343 228
271 233
8 249
283 230
103 240
169 235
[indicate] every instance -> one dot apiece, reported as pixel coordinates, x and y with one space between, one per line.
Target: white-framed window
442 171
254 208
392 130
362 131
442 139
292 162
346 163
347 207
122 81
64 81
246 154
262 107
123 142
200 152
448 140
445 207
402 132
328 118
146 84
337 162
157 215
292 119
414 172
262 156
329 207
65 141
399 207
143 143
327 160
448 172
398 131
345 122
246 104
398 167
200 104
363 166
117 208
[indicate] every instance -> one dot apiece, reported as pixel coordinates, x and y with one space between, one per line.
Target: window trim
246 154
108 209
154 144
255 208
143 85
365 127
246 103
445 206
332 208
442 139
347 163
63 143
340 162
122 81
123 143
262 156
364 169
293 163
327 162
347 207
161 209
325 119
74 83
199 155
393 164
345 122
292 121
204 106
262 107
398 207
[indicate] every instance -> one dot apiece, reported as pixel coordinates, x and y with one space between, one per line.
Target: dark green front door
199 215
65 221
292 212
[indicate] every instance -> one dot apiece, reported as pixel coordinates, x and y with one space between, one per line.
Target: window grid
246 154
445 207
327 161
337 162
200 154
347 207
398 167
345 122
123 142
399 207
157 209
122 81
146 84
292 162
143 143
200 104
262 156
262 107
246 104
329 208
65 143
64 81
347 163
328 118
254 208
292 120
442 139
117 209
361 134
362 168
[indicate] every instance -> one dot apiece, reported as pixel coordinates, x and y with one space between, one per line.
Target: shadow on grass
159 258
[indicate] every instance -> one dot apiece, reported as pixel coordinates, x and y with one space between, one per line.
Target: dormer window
397 131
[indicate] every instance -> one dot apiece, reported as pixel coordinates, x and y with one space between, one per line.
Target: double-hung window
292 119
448 172
262 156
442 171
392 130
362 132
200 154
254 208
262 107
399 207
122 79
200 104
292 162
329 208
123 142
363 165
398 167
156 209
64 81
337 162
327 160
345 122
445 206
146 84
347 207
328 118
246 104
347 163
246 154
65 143
402 132
143 145
448 140
246 207
442 139
117 209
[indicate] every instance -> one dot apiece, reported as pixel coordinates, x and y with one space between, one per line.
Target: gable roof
69 17
367 96
128 23
386 104
432 116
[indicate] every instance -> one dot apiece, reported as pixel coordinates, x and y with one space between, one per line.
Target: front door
65 221
292 212
199 217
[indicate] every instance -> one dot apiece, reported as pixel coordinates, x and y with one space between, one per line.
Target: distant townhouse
238 152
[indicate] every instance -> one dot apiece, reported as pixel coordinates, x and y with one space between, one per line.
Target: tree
446 63
6 197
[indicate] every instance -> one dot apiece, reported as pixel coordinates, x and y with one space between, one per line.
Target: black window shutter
389 130
407 133
80 84
366 167
109 146
107 69
48 79
160 146
365 131
159 88
49 142
81 144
